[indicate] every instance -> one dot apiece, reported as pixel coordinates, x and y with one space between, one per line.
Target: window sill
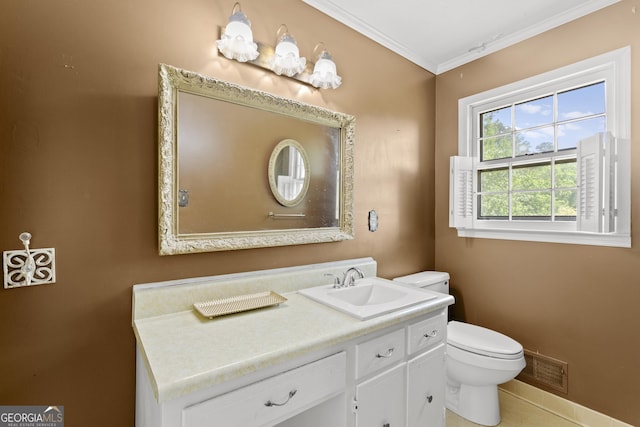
568 237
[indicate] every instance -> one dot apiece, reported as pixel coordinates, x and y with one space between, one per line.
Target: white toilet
477 360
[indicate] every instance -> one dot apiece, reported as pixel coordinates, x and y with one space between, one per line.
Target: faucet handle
336 279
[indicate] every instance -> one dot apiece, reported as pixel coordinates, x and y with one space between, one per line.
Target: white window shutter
596 181
609 184
461 192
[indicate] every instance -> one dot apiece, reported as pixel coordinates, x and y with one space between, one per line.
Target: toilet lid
479 340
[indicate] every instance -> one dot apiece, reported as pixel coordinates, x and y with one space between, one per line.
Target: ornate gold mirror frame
171 82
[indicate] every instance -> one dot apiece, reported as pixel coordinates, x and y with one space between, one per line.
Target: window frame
615 69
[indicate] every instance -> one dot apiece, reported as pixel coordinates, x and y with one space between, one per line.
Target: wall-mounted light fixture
236 42
324 72
286 59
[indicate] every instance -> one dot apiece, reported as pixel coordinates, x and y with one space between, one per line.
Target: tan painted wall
575 303
78 106
78 119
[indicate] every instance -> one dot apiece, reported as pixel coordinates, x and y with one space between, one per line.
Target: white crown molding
526 33
337 12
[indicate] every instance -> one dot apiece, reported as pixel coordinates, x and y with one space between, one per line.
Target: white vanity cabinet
401 378
296 364
389 377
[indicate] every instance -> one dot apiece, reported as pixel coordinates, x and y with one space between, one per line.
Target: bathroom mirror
222 149
289 172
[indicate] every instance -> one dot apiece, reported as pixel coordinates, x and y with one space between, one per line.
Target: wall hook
29 266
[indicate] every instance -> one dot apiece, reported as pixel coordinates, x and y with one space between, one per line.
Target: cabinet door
381 400
426 388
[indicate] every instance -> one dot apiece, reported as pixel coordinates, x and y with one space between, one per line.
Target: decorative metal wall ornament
28 267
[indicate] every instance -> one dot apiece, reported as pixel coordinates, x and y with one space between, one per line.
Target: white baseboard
564 408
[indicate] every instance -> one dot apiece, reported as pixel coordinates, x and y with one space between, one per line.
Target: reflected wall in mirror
216 141
289 173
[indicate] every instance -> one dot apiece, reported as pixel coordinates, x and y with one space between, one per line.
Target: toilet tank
437 281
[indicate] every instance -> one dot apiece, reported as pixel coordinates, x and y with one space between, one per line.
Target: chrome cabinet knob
386 356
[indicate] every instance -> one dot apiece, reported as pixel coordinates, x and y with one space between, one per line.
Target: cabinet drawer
275 398
379 353
427 333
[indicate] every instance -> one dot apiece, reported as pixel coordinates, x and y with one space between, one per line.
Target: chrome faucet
348 279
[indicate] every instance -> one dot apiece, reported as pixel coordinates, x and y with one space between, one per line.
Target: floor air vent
545 371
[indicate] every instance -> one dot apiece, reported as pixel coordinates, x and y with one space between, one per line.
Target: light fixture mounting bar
266 52
264 59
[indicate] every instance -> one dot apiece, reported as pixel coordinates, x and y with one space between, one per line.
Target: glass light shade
324 74
237 41
286 59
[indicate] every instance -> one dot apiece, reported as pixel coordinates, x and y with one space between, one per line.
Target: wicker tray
220 307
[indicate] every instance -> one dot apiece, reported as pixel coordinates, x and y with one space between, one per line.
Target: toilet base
478 404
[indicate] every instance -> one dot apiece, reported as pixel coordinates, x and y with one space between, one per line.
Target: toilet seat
482 341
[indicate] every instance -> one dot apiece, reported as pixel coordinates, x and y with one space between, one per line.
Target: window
547 158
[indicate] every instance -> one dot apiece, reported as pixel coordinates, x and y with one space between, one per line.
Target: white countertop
186 352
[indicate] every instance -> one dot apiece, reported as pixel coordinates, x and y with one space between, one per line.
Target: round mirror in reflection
289 172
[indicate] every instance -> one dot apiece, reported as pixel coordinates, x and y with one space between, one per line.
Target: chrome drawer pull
291 394
431 334
386 356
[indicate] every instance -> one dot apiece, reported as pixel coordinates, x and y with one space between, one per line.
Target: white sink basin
369 297
367 294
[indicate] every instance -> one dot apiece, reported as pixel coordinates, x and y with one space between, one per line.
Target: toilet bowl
477 360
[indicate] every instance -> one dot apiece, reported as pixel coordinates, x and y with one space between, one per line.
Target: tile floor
516 412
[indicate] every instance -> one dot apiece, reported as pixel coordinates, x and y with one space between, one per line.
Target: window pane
565 174
496 148
565 203
494 180
532 204
496 122
534 113
534 141
570 133
581 102
534 177
493 205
